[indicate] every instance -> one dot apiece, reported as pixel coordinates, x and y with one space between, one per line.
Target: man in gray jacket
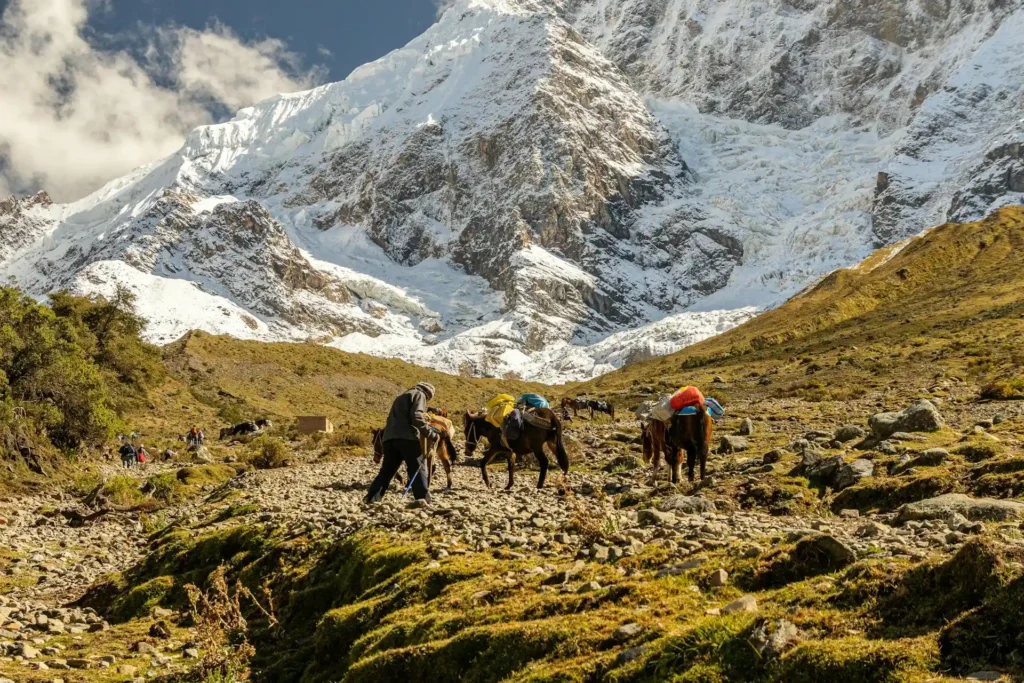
407 421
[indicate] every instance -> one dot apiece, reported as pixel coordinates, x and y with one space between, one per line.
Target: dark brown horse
653 433
434 447
532 440
691 433
601 407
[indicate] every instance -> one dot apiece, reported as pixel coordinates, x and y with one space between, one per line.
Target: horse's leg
511 470
447 470
691 460
674 463
488 456
542 460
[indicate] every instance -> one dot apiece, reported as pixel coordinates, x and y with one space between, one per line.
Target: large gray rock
849 433
850 474
975 509
733 444
816 465
921 416
772 638
746 427
655 518
689 505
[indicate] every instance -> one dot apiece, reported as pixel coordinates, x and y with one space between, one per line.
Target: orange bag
687 396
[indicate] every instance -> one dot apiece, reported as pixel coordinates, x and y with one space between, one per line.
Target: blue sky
94 88
353 31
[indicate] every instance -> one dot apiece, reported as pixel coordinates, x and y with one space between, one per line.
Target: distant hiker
407 421
141 455
127 453
202 437
168 454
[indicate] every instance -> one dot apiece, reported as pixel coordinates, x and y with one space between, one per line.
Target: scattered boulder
719 578
849 433
748 603
773 456
687 505
921 416
975 509
821 467
771 639
851 474
627 631
746 427
655 518
733 444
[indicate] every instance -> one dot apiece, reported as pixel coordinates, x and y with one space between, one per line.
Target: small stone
599 553
746 427
627 656
191 653
748 603
627 631
655 518
985 676
80 663
127 670
589 587
849 514
773 456
719 578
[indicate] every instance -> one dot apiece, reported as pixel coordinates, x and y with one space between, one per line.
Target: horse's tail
700 438
453 453
611 411
560 453
648 440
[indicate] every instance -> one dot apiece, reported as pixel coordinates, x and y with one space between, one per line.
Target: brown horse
691 433
440 412
574 404
434 447
653 433
532 440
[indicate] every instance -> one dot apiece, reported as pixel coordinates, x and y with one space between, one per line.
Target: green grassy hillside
949 302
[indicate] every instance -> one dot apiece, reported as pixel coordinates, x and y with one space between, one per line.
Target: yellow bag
498 407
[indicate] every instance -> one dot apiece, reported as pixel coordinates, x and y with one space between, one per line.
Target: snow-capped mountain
556 189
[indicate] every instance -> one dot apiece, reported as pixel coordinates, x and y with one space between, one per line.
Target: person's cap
426 388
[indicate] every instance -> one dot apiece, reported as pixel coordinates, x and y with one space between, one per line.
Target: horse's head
378 444
470 431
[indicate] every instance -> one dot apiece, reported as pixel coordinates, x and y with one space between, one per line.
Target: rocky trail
610 513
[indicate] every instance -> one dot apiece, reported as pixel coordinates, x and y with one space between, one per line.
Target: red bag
142 456
687 396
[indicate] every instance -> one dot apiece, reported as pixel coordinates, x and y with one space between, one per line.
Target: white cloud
74 116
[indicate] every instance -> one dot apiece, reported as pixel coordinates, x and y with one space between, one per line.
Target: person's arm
418 416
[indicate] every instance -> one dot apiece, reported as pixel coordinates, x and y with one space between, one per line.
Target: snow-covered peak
555 189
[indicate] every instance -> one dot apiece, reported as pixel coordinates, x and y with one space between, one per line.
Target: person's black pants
396 452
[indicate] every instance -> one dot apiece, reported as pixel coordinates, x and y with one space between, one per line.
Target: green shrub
267 453
123 491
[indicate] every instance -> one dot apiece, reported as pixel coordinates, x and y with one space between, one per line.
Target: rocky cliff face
528 185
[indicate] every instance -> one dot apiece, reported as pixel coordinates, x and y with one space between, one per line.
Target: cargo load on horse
676 423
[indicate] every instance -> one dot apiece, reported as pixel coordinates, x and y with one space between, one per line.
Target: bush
350 438
268 453
1004 389
68 370
123 491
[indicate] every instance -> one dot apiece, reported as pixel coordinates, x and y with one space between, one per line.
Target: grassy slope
221 380
951 300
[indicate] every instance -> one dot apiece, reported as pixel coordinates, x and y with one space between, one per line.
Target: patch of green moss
140 599
855 660
886 494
